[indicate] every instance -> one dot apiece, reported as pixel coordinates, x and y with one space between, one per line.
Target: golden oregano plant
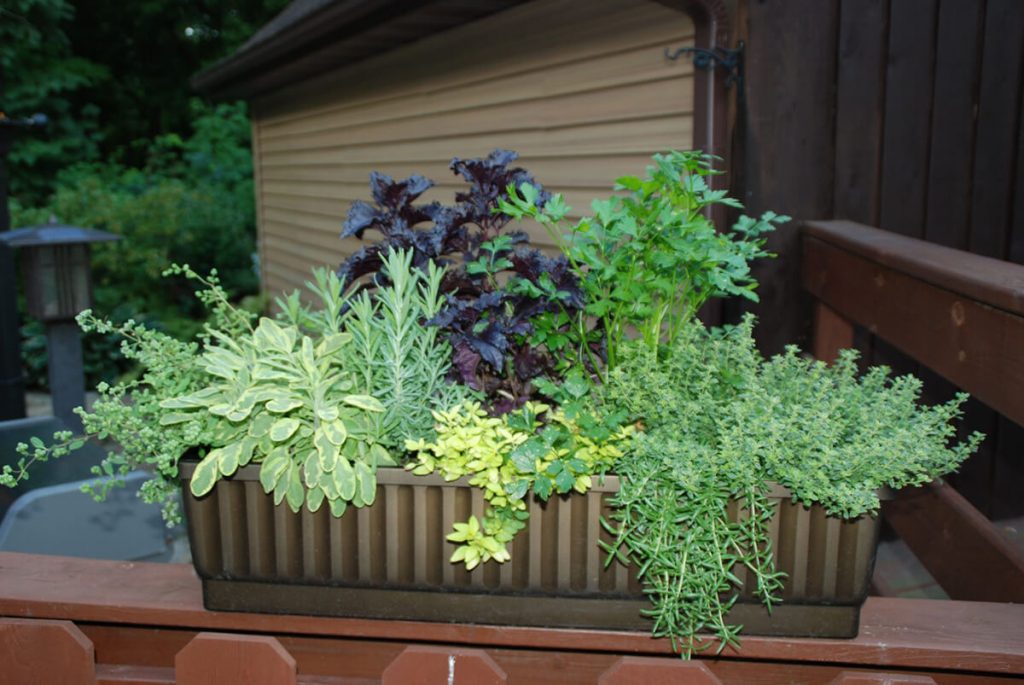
535 450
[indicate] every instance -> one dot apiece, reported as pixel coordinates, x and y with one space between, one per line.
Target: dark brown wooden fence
900 114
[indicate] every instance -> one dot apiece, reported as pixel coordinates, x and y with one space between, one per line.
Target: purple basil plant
505 301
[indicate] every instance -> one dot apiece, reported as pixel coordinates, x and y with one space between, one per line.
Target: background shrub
192 203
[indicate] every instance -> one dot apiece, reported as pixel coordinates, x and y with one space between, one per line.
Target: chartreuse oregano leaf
534 449
721 423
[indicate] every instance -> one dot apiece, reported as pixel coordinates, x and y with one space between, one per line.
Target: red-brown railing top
142 615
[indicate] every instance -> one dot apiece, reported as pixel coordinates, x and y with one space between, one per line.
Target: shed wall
583 96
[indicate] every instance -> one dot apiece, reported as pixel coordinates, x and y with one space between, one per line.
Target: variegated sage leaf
345 479
312 470
204 477
326 450
335 431
314 499
367 482
273 466
296 494
364 402
283 429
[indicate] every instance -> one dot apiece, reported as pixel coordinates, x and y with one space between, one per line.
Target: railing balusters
230 659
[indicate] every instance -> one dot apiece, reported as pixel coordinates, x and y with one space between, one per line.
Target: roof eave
291 54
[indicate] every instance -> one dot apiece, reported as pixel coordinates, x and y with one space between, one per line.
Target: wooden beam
788 147
967 326
832 333
957 544
990 281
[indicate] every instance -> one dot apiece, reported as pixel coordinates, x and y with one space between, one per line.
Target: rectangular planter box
390 560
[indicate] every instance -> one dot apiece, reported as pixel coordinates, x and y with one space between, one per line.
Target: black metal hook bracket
729 59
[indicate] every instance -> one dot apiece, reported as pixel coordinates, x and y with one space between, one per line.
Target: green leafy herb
721 424
650 259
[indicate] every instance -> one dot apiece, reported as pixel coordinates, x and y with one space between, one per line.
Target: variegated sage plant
318 398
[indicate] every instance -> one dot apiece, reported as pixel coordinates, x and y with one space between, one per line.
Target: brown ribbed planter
390 560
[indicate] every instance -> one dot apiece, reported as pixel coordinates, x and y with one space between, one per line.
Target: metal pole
67 377
12 385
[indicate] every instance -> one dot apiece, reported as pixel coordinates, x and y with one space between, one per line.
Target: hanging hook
705 58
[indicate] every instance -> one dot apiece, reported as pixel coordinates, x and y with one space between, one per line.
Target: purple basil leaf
504 404
491 344
395 194
365 261
361 216
528 362
465 362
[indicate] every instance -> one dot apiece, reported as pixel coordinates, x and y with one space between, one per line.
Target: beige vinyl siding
581 90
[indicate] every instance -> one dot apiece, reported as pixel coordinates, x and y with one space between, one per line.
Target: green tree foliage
39 72
152 48
130 150
191 203
111 76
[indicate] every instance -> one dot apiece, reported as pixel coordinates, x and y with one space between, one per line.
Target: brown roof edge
302 27
301 41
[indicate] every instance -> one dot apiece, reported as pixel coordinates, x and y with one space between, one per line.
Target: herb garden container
391 560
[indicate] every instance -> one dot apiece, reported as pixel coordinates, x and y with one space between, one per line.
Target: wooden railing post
423 665
832 333
228 659
41 652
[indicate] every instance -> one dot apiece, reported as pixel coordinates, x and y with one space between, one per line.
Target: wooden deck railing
84 621
74 621
962 316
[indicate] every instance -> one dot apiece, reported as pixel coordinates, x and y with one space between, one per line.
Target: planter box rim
396 475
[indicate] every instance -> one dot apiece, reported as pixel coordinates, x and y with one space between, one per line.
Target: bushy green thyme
720 424
129 414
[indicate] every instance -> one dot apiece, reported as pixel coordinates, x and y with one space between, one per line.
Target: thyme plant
129 414
721 424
